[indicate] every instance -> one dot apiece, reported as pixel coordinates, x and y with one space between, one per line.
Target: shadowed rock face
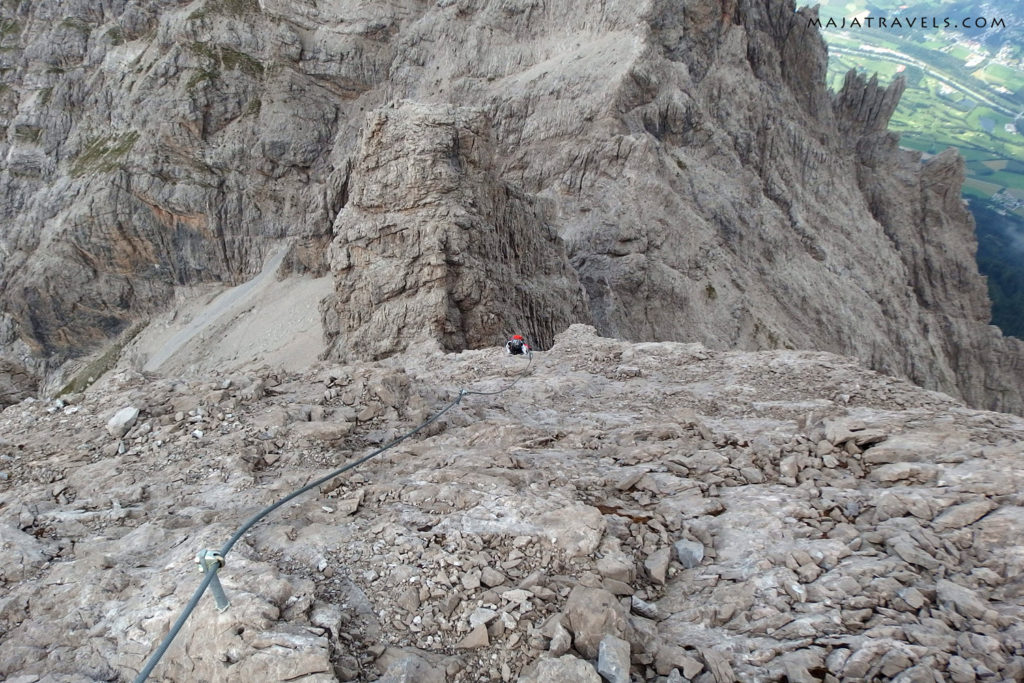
432 246
705 184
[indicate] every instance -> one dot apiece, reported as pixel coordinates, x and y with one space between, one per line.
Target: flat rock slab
576 529
565 669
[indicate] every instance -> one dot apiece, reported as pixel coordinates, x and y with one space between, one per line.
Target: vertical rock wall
432 245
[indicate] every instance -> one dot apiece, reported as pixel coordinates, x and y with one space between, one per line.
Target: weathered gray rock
407 666
656 565
482 616
904 546
350 504
23 554
670 657
576 529
913 597
840 432
800 665
476 638
961 671
614 563
675 676
561 641
840 573
16 380
964 600
613 659
322 431
491 577
1000 527
645 609
471 579
122 421
905 471
959 516
617 568
689 553
718 665
567 668
593 613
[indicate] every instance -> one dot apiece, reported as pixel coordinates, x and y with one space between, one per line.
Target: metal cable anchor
212 561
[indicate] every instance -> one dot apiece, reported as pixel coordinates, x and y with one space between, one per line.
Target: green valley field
965 89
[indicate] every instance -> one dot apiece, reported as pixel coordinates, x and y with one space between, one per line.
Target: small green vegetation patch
102 154
26 133
235 60
222 58
998 74
239 7
199 77
115 35
203 50
77 25
960 52
9 27
105 361
236 8
980 188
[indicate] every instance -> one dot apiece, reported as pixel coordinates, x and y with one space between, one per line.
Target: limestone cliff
431 245
704 182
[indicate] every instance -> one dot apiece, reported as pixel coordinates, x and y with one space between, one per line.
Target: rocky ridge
705 184
649 511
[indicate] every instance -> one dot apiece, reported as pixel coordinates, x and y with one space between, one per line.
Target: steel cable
209 575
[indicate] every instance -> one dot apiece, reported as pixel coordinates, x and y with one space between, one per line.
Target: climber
516 346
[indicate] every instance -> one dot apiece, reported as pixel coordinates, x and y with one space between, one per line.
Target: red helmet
517 336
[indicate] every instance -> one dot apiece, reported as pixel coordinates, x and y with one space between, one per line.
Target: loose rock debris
704 516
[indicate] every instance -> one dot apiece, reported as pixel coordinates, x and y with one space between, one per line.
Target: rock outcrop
655 511
705 184
924 218
432 246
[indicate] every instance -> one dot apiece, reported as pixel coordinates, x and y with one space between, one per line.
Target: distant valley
964 67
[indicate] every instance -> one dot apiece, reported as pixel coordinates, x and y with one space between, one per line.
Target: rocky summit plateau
244 243
624 512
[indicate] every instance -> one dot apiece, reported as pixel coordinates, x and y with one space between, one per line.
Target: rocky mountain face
431 246
652 511
702 181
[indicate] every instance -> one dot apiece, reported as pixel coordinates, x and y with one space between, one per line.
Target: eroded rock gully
652 511
703 182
